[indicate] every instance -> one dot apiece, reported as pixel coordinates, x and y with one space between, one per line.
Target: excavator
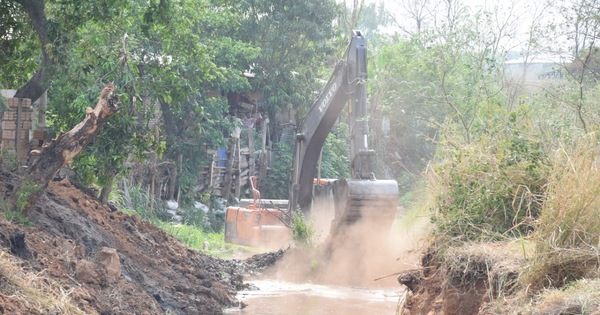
361 200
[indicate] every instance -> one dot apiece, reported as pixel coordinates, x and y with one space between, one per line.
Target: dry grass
33 290
568 235
499 264
581 297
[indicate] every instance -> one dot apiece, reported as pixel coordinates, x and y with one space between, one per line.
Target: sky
515 17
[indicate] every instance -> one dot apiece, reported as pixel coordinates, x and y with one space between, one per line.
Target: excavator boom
359 199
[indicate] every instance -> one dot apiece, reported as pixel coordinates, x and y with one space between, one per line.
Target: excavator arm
346 84
362 199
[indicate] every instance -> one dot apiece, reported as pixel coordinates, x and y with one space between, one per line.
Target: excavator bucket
372 204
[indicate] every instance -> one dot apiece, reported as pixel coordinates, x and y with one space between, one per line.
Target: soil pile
108 262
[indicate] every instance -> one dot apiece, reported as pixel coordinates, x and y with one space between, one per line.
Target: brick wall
16 125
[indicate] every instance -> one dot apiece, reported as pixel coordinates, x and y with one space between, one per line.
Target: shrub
487 192
302 231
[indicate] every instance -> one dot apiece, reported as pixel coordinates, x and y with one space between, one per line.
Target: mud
155 273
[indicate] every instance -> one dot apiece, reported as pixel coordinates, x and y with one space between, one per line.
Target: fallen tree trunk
44 166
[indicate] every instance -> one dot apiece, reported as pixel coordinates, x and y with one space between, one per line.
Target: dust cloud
368 253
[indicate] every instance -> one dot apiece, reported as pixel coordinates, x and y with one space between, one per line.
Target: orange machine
256 225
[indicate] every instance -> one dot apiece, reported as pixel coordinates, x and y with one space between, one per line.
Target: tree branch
68 145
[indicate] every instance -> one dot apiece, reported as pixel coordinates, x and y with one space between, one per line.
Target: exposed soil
463 280
114 263
431 294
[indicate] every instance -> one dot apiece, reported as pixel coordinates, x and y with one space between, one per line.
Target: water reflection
279 297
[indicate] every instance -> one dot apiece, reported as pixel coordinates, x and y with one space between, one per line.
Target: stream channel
278 297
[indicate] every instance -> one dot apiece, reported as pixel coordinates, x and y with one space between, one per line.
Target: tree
419 12
182 56
439 85
203 62
583 30
19 45
295 41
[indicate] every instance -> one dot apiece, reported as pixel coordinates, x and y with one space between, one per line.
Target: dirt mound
463 280
114 263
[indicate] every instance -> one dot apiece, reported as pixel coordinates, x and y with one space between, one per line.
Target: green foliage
425 82
490 189
275 186
8 160
26 190
136 200
19 45
302 231
174 52
294 38
16 212
14 215
193 232
211 220
209 243
335 161
3 106
17 217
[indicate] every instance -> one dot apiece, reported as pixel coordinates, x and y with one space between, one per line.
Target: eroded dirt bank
108 262
476 278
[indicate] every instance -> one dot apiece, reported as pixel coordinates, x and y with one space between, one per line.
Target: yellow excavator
358 201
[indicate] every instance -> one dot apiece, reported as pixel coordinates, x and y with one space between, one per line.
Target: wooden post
238 183
251 162
262 159
43 104
18 129
229 169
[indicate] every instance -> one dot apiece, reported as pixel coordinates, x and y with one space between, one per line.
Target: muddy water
279 297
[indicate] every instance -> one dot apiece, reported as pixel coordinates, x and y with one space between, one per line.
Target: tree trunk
63 149
107 188
36 86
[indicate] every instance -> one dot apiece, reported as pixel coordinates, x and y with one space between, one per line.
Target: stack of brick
16 123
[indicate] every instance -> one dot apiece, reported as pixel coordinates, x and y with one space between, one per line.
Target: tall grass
209 243
488 190
568 236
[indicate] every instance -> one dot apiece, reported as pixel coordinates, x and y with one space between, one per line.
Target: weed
17 217
34 290
302 231
16 213
136 200
26 190
8 160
